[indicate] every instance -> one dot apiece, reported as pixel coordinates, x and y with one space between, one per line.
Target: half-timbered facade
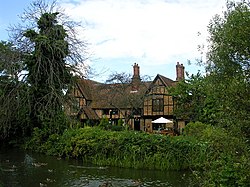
94 100
137 103
158 102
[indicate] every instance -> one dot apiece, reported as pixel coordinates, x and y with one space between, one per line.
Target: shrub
104 123
195 129
227 171
116 128
123 148
120 122
227 162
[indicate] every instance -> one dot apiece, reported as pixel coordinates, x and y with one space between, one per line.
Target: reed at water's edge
124 148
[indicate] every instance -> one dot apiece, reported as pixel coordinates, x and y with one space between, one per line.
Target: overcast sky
153 33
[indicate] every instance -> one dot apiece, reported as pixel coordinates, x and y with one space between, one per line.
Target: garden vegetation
213 155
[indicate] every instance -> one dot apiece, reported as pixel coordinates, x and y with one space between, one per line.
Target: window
158 105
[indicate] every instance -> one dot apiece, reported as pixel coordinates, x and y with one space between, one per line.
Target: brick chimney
136 71
180 72
136 77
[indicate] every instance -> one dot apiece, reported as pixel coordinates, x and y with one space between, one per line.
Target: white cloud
153 31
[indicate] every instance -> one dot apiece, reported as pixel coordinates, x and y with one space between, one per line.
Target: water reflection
19 168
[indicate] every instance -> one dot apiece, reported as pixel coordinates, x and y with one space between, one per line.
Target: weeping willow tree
50 54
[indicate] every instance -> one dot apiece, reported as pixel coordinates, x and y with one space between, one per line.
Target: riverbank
210 152
127 149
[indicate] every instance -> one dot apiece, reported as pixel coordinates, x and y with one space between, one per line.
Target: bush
226 171
120 122
219 139
123 148
104 123
227 162
195 129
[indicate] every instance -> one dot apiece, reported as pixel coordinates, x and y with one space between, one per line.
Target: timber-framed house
115 101
137 103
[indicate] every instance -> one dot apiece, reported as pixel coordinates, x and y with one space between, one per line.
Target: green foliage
57 124
123 149
220 139
193 99
10 62
47 84
35 71
210 152
120 122
221 98
228 161
104 123
13 120
228 65
228 171
116 128
229 44
195 129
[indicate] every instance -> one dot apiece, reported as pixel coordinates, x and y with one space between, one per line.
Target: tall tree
229 51
193 100
50 63
229 65
11 91
48 73
222 96
50 54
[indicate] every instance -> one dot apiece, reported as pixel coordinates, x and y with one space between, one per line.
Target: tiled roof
87 87
168 82
120 96
112 95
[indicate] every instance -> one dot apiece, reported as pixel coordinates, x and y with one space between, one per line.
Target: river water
19 168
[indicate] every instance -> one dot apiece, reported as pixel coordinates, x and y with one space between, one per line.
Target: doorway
137 124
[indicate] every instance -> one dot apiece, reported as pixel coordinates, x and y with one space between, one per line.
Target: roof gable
160 80
166 81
